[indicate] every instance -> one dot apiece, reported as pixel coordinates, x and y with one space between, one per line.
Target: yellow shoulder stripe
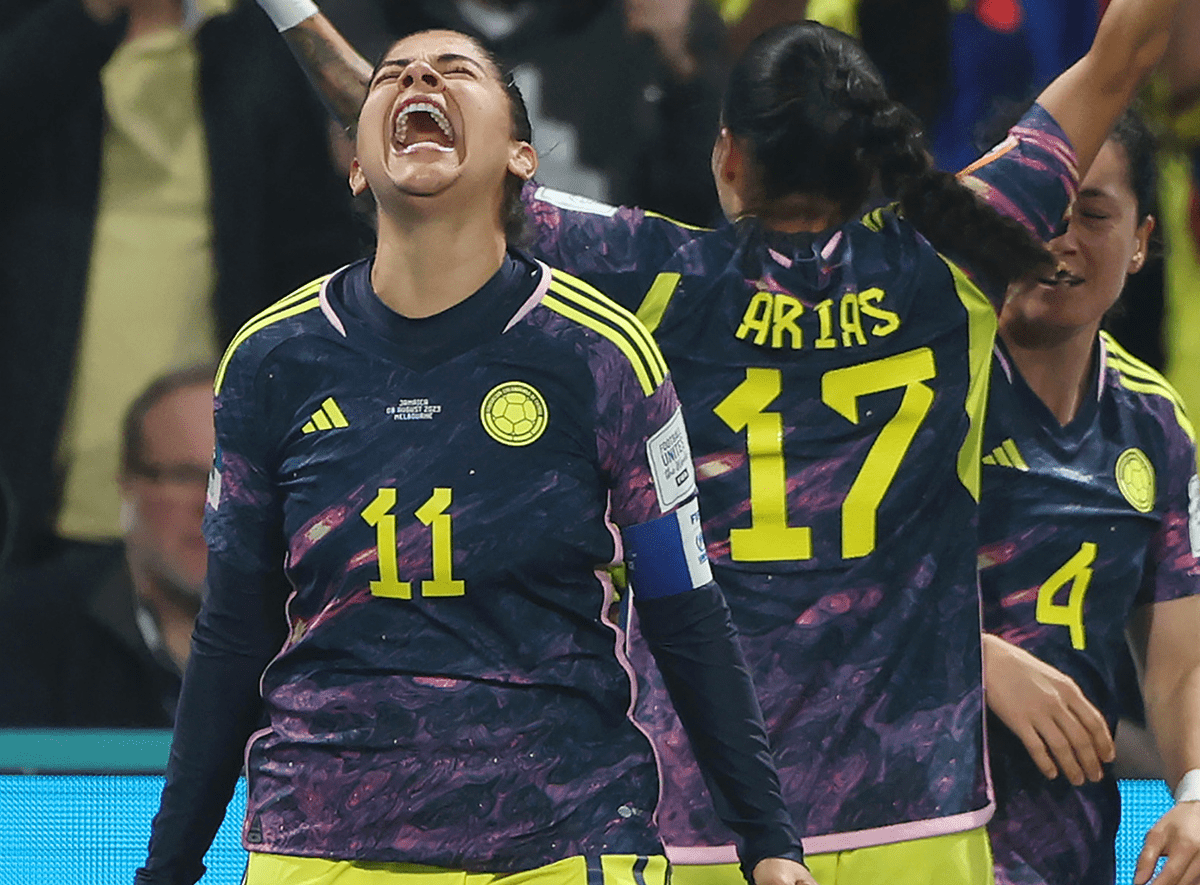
1137 376
610 320
654 305
298 302
585 297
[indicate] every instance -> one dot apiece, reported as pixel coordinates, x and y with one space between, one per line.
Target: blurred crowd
168 172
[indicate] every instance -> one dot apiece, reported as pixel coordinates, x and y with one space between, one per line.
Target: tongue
421 127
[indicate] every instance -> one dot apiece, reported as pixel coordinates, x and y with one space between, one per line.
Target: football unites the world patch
1135 479
514 413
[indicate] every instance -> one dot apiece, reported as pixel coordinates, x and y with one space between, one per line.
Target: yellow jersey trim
1137 376
696 227
586 305
981 338
658 297
303 299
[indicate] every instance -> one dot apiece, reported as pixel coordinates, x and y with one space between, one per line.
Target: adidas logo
327 417
1006 455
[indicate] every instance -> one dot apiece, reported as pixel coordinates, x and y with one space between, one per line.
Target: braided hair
819 122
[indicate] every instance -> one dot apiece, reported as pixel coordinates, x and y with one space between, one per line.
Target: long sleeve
696 648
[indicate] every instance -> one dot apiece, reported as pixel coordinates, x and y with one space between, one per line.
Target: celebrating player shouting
422 463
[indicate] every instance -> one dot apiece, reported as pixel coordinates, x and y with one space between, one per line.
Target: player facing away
425 463
1090 526
834 371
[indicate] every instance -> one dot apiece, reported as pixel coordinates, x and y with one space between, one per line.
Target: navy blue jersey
1079 525
834 387
451 691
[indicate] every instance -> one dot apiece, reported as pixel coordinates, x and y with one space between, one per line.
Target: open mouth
1061 278
422 124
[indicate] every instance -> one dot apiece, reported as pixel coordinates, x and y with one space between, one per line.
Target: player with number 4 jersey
1090 538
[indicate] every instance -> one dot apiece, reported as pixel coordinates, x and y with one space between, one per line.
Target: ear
358 181
729 174
1142 235
523 161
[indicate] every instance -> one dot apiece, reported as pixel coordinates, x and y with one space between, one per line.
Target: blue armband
666 556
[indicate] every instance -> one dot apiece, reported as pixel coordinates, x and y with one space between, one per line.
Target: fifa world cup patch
1194 514
670 459
213 495
514 413
1135 479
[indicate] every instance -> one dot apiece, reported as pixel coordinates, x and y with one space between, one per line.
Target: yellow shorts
609 869
956 859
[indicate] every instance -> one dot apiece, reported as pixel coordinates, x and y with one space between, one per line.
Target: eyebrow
444 58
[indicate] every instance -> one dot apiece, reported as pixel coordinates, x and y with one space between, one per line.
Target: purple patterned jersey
1079 525
452 691
834 387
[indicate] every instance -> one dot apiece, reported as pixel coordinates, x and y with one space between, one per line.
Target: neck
1057 371
425 266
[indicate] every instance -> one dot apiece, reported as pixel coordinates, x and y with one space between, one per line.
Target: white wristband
286 14
1188 788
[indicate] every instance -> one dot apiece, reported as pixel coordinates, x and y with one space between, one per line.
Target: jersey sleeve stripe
1130 383
604 308
658 297
621 341
1137 376
683 224
265 319
981 338
587 296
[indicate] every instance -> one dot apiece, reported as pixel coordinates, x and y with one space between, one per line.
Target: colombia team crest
1135 479
514 413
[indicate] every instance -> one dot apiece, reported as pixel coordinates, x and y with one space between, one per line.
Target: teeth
428 107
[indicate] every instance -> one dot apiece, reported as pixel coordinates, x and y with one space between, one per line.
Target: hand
1047 711
781 871
668 22
1176 836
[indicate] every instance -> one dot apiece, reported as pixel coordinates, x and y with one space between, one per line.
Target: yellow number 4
1078 571
432 513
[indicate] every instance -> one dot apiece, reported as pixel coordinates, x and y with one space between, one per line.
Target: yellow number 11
769 537
432 513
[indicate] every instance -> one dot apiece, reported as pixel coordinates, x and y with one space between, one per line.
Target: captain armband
666 556
286 14
1188 788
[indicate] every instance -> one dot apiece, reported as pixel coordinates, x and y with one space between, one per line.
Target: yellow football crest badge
514 413
1135 479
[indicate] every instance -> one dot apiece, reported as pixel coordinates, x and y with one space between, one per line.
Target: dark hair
1140 146
819 122
133 462
512 212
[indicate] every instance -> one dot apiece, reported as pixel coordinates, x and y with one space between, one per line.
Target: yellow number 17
769 537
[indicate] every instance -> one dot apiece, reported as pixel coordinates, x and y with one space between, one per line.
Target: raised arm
337 70
1088 97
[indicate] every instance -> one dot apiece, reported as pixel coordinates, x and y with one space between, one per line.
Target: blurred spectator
165 175
99 636
1179 180
623 94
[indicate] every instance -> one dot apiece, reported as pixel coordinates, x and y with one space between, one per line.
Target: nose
1064 243
420 72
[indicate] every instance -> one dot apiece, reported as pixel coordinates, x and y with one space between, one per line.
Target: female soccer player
422 463
1090 525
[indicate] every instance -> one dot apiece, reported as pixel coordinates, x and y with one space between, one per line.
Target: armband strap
666 556
286 14
1188 788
